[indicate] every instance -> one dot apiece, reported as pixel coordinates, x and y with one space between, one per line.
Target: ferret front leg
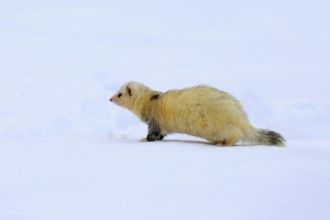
154 133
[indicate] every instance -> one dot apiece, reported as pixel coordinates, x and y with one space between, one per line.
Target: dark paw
151 137
154 137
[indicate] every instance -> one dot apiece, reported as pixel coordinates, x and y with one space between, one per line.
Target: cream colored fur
200 111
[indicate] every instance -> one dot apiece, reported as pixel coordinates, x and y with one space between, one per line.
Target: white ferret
200 111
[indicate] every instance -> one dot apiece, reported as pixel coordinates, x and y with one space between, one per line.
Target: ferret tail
266 137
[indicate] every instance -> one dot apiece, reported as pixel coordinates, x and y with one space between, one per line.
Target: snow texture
66 152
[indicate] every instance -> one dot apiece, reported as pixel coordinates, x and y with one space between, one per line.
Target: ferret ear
129 91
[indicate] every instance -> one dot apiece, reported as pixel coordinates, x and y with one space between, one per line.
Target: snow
79 177
66 152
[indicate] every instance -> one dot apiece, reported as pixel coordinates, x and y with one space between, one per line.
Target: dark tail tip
271 138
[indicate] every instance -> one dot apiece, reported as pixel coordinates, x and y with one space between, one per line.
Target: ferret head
127 94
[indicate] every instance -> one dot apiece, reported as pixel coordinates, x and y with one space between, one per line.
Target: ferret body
200 111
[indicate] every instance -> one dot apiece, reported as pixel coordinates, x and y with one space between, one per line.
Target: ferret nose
110 100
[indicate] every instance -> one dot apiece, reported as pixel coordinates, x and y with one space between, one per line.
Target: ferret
200 111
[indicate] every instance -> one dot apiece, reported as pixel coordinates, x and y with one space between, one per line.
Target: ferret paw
223 143
155 137
151 137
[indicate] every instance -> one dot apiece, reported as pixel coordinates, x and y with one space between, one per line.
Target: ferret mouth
115 102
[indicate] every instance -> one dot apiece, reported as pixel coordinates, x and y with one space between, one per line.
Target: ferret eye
119 95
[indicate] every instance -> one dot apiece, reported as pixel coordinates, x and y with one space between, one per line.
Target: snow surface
67 153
